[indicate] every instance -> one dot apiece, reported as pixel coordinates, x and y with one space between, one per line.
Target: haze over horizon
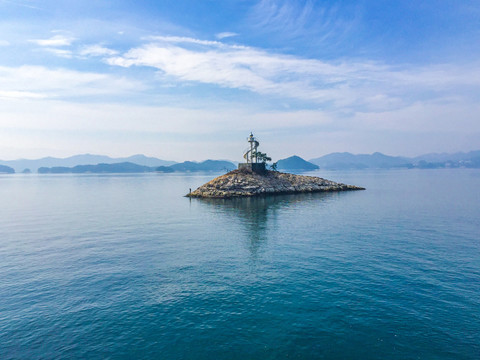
122 158
181 80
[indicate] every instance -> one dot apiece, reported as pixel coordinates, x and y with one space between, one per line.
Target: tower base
258 168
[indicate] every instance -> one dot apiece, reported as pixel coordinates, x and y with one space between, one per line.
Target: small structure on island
251 156
253 179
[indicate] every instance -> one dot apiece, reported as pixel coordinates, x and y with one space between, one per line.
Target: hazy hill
363 161
128 167
380 161
145 160
445 157
295 163
34 165
331 161
118 168
6 170
207 165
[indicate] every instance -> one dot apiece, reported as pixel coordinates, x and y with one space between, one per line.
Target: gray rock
248 183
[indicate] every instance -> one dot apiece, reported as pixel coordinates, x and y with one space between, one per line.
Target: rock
248 183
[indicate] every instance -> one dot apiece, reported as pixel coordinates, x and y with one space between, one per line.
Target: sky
189 80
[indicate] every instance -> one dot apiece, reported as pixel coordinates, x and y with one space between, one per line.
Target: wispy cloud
22 4
36 82
97 50
226 34
57 40
20 95
232 66
4 43
184 40
284 15
59 52
318 21
357 85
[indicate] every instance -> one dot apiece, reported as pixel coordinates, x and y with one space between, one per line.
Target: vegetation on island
261 157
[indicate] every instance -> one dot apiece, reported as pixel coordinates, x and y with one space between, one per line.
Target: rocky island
244 182
252 179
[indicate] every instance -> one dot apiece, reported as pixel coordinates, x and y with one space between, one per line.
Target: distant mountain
34 165
118 168
128 167
333 161
208 165
295 163
6 170
444 157
337 161
145 160
347 160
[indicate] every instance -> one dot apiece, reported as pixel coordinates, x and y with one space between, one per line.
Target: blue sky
189 80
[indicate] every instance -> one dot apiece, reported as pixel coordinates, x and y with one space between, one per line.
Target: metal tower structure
251 154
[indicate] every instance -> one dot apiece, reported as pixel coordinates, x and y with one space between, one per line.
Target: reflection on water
258 213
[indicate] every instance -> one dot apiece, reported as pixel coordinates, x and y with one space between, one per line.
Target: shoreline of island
245 183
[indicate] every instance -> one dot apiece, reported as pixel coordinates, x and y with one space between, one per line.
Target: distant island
83 159
6 170
296 163
344 161
208 165
125 167
140 163
128 167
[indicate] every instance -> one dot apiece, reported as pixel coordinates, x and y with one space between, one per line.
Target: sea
123 266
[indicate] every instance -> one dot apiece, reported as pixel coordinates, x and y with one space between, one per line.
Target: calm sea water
124 267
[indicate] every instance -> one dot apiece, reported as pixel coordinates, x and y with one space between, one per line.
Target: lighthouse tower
250 155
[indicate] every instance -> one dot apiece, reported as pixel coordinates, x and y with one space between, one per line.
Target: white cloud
41 82
60 52
357 85
97 50
57 40
227 66
224 35
20 95
183 39
4 43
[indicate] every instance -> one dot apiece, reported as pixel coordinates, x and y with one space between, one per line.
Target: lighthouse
250 156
